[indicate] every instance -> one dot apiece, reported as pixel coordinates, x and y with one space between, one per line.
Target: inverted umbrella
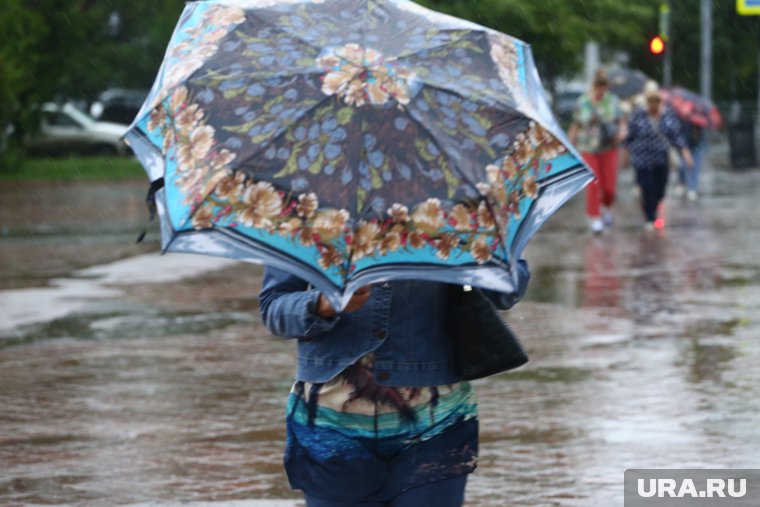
693 108
626 83
351 142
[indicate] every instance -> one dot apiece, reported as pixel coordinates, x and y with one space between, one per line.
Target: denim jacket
403 322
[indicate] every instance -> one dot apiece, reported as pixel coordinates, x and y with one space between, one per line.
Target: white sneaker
679 191
649 227
607 218
597 226
691 195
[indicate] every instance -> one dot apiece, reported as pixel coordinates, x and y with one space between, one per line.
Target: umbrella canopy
627 83
693 108
351 142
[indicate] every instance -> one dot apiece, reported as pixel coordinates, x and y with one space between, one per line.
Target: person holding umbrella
378 415
688 176
651 131
375 159
697 115
597 129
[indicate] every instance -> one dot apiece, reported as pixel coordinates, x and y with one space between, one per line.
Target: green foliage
558 29
736 42
75 169
69 49
18 28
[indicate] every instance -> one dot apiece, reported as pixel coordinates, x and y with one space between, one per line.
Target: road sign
748 7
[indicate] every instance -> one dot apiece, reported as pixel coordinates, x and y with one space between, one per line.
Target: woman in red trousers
598 126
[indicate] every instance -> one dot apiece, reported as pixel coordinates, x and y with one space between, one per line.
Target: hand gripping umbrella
352 142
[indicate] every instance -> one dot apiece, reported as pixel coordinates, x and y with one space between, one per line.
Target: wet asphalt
132 379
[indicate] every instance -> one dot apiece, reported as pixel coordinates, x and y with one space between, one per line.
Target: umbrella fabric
351 142
626 83
693 108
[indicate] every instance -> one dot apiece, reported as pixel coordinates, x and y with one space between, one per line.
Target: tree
736 41
70 49
736 44
21 33
558 29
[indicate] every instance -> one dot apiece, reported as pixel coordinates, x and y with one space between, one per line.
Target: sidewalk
74 293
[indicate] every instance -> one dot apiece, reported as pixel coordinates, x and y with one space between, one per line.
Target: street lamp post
706 53
667 65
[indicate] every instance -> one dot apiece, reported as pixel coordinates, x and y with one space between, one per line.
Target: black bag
607 133
484 344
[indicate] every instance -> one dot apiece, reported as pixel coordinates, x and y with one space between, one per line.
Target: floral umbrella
352 142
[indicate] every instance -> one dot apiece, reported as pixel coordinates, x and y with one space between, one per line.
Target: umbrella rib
506 107
439 146
168 92
279 134
444 88
279 29
282 28
197 71
464 176
349 259
262 148
264 75
442 45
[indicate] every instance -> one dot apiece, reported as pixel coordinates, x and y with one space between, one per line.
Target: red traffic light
657 45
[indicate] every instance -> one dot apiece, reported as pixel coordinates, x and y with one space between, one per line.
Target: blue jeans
444 493
689 176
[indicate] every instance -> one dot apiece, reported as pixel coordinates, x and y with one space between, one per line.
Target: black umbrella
625 83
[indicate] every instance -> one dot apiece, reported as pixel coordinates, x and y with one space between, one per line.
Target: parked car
118 105
65 130
565 104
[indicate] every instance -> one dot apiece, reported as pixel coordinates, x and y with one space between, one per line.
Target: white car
65 129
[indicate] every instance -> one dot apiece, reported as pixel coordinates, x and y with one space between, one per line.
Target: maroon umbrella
693 108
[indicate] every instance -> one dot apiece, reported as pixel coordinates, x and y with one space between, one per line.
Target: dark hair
600 78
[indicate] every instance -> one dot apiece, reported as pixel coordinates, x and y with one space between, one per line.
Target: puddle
128 378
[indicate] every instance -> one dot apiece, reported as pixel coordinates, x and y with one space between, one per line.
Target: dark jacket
648 140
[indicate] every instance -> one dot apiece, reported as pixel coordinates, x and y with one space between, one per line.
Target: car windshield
79 116
60 119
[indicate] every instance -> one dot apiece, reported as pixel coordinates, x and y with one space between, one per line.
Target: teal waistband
430 420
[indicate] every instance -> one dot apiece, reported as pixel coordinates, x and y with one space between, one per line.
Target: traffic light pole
667 62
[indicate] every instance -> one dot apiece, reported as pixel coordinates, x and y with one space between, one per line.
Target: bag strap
150 201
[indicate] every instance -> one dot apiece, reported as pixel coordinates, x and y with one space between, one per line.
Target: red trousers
602 190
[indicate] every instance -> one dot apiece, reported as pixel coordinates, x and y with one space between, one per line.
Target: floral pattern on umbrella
361 75
352 156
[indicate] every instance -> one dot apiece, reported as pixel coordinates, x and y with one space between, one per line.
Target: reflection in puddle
644 354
